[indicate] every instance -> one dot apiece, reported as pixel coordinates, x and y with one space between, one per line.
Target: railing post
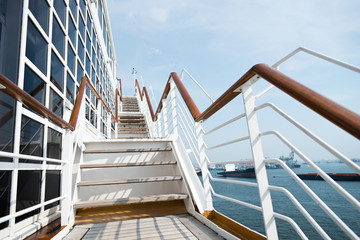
173 106
66 177
259 163
159 125
204 166
164 117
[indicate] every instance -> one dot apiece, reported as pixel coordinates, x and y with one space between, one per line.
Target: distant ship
288 160
230 171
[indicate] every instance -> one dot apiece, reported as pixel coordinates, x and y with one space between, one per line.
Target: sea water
278 177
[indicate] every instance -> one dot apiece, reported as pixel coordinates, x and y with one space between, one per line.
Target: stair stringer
190 178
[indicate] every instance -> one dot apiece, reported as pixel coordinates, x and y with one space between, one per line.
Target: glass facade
61 46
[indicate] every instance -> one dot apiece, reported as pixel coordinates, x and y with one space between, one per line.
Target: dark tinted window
34 86
88 23
5 187
52 187
40 10
82 28
87 64
80 73
59 6
73 5
70 89
56 103
57 72
72 31
88 44
54 144
71 59
58 37
31 137
83 7
80 50
36 47
28 192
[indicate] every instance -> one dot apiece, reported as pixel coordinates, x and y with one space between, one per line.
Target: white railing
175 119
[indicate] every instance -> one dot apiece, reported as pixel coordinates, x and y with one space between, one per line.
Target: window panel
80 50
80 73
60 8
58 37
56 103
72 31
82 7
31 137
88 44
88 23
52 187
40 9
57 72
28 192
70 89
5 187
73 8
71 59
88 64
36 47
54 144
33 85
82 28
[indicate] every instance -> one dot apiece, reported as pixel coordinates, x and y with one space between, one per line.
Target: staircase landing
169 227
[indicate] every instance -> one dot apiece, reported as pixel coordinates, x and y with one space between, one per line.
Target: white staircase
119 172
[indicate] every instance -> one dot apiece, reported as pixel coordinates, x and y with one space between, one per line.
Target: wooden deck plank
167 149
128 181
136 164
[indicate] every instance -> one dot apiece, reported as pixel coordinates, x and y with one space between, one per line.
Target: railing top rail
318 55
337 114
19 94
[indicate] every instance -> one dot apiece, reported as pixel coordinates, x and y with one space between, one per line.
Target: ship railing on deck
178 115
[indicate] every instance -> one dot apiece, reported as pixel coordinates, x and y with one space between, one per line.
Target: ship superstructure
74 148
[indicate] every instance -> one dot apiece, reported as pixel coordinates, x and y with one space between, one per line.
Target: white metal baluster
259 164
159 120
203 166
66 177
164 116
173 106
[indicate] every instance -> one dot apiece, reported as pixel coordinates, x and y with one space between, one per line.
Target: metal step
130 150
130 181
137 164
131 200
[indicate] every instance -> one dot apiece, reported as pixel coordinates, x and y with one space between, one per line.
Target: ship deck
181 226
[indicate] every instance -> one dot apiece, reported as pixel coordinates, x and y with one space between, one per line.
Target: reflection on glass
54 144
80 50
56 72
28 192
88 44
40 10
80 73
58 37
71 59
31 137
60 7
52 187
73 6
56 103
33 85
70 89
83 7
5 187
82 28
72 31
87 64
36 47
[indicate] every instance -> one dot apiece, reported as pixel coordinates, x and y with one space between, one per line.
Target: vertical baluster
259 163
165 120
173 106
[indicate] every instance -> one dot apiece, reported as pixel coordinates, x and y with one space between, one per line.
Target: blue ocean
278 177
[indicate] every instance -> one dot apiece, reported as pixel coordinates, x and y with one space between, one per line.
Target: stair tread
128 164
131 200
132 180
130 150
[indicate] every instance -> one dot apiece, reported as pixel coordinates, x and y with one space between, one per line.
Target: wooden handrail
138 87
337 114
19 94
149 103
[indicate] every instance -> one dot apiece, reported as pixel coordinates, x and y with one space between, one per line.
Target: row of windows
87 60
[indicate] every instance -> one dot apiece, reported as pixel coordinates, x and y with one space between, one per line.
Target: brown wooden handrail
19 94
144 91
337 114
138 87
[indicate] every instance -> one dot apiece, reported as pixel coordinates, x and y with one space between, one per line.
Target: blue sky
218 41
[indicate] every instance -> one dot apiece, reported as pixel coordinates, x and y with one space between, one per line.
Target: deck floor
181 226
